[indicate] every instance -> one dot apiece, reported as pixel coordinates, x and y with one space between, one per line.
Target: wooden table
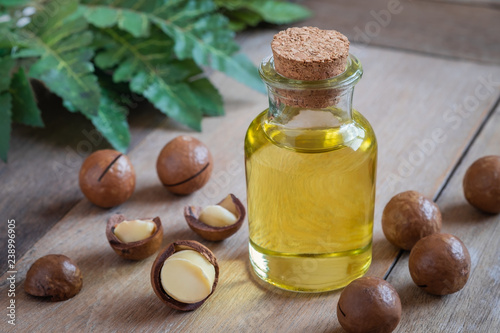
431 90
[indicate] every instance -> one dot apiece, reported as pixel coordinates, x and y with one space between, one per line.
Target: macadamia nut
187 276
482 184
369 304
184 165
440 264
217 216
408 217
107 178
135 230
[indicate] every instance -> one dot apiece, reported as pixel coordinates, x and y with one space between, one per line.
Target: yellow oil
311 196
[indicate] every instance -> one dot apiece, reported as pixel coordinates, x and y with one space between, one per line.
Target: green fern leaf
150 67
198 31
210 42
24 108
5 122
243 13
208 97
111 121
6 65
14 3
279 12
135 23
63 48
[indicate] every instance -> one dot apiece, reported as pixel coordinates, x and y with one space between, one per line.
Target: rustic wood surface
492 3
428 113
449 29
475 308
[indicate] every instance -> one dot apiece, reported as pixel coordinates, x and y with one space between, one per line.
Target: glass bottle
310 170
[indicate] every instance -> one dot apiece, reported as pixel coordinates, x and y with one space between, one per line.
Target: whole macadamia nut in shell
184 165
369 304
408 217
440 264
54 276
107 178
482 184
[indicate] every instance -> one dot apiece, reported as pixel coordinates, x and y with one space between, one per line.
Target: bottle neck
310 104
331 108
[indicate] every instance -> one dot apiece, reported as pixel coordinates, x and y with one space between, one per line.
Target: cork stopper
309 53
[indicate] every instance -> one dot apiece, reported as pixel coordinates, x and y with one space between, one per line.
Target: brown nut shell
408 217
440 264
482 184
164 255
231 203
184 165
107 178
369 304
55 276
135 250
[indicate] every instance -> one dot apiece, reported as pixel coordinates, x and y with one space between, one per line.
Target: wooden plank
40 180
476 308
492 3
443 29
399 95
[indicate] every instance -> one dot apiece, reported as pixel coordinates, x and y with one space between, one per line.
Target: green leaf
24 108
199 33
175 100
12 3
136 24
63 47
244 17
207 97
111 121
244 13
150 67
6 65
209 42
280 12
131 21
111 118
236 25
5 121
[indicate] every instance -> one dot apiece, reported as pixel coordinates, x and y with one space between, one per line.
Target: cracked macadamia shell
184 165
107 178
158 265
135 250
408 217
440 264
232 204
482 184
54 276
369 304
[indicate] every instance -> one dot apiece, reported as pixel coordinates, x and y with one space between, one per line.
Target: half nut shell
232 204
135 250
54 276
158 265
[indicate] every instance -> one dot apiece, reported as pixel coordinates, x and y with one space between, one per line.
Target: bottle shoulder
355 133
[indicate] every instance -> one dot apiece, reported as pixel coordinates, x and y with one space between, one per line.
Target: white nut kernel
217 216
134 230
187 276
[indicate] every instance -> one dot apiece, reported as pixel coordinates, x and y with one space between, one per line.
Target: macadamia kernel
217 216
134 230
187 276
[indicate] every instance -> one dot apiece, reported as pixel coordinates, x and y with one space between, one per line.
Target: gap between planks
451 174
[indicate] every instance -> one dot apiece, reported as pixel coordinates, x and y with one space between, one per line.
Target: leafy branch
87 51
